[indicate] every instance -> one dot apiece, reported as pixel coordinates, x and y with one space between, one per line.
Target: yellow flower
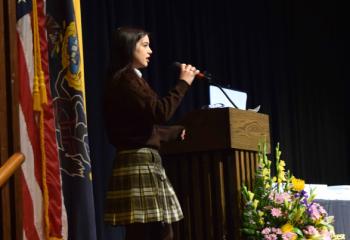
295 236
280 171
250 196
299 213
255 203
298 184
287 228
261 221
281 178
282 163
338 237
266 172
287 204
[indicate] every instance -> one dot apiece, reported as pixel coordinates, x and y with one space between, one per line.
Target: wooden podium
208 168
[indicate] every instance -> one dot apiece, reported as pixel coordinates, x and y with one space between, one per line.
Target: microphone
207 76
200 75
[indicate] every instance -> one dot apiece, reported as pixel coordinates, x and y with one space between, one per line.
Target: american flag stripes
44 132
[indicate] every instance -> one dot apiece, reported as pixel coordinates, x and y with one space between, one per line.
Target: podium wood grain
210 166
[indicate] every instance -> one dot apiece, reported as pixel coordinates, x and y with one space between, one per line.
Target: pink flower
289 236
276 212
279 198
310 231
276 230
270 237
266 231
316 211
326 234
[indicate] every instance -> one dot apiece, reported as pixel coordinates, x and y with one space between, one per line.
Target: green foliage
279 208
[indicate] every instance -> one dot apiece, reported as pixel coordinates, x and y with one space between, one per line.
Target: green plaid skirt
140 191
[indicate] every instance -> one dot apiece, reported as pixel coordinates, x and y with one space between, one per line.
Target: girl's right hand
188 73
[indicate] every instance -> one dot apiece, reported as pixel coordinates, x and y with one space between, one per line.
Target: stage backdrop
291 57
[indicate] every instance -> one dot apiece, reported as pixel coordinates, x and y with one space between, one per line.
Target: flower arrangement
279 208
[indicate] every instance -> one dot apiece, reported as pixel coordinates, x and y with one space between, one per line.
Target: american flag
44 215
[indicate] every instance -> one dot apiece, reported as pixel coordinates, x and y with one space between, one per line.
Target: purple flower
316 211
302 194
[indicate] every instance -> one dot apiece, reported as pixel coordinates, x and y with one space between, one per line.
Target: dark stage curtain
291 57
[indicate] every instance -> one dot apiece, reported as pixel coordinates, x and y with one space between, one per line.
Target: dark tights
149 231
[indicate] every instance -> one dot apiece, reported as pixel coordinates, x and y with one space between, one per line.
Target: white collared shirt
138 72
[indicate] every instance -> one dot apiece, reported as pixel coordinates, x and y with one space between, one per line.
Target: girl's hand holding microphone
188 73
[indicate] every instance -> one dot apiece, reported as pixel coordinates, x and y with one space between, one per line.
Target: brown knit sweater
134 113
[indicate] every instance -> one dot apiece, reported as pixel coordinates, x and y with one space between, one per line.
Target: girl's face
142 53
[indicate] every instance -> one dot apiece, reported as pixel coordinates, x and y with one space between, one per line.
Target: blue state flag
68 93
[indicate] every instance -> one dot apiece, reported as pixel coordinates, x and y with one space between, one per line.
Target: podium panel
220 129
208 169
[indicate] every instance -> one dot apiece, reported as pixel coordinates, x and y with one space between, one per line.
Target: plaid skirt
139 190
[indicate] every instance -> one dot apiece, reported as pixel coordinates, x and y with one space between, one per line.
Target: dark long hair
124 40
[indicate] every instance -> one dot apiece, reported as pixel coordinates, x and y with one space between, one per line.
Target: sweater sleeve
169 133
156 109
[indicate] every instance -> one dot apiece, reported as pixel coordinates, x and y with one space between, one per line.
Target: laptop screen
217 97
